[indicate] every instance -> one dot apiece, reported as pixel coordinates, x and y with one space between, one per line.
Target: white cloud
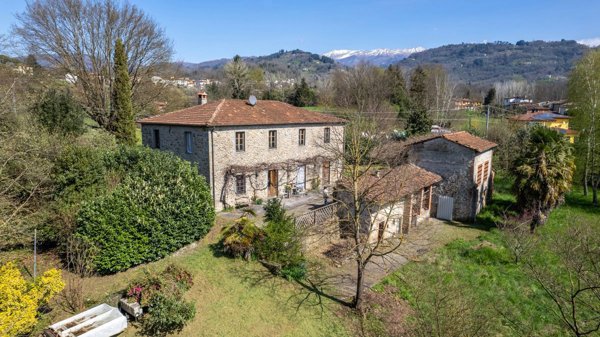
593 42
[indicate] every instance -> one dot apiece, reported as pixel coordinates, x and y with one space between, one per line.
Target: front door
326 173
273 183
301 177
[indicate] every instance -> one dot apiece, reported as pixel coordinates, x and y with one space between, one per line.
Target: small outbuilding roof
237 112
468 140
392 185
462 138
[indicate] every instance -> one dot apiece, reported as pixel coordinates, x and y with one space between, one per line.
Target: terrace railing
318 216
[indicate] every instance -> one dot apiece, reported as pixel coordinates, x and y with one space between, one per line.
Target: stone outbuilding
391 200
464 162
250 150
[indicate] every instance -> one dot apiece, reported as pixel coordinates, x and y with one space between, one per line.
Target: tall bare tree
440 90
238 77
364 88
77 36
362 215
584 92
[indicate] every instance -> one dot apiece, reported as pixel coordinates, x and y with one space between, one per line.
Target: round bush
161 204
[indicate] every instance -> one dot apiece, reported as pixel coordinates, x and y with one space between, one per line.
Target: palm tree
543 173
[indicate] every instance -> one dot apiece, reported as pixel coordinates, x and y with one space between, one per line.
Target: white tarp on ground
99 321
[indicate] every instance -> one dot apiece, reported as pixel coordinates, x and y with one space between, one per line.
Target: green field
497 287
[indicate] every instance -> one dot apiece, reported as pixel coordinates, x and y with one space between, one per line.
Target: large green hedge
154 203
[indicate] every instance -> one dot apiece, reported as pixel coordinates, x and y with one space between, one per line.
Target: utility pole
487 121
34 253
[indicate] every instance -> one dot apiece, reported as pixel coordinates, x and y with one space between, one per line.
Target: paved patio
294 205
421 240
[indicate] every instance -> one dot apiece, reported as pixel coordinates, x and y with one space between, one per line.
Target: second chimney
202 98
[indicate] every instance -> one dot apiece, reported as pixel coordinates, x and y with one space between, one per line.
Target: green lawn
233 297
499 286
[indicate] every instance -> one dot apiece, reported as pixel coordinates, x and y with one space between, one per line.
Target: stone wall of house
390 216
457 166
257 159
172 138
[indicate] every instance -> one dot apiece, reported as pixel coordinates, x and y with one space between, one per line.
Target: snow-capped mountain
380 57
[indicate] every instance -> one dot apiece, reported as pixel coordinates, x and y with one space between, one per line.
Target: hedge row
159 204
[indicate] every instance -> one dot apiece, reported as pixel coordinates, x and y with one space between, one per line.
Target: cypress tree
418 89
490 97
123 118
418 120
398 94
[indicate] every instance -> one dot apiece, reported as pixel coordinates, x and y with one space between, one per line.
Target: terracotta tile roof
234 112
539 116
461 138
396 183
468 140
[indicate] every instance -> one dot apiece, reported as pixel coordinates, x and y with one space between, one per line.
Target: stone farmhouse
464 162
393 200
251 151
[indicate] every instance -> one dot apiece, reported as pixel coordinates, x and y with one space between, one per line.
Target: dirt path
418 245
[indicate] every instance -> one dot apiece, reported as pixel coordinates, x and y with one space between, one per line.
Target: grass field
233 297
497 285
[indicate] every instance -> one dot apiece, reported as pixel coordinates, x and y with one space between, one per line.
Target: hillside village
293 194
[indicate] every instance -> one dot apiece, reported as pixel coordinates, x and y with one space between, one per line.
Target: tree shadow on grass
495 212
313 291
579 201
217 250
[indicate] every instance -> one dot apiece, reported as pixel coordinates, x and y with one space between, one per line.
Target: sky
211 29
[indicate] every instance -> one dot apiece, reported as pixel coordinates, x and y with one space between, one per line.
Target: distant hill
485 63
287 64
378 57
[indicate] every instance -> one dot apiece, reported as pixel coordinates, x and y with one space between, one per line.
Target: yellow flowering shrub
20 300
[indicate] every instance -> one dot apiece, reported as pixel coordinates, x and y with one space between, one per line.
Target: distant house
560 107
464 162
465 104
392 200
514 102
548 119
250 151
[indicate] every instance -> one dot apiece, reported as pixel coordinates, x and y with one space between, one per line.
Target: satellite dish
252 100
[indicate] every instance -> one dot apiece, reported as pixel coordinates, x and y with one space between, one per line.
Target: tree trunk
537 219
585 183
360 269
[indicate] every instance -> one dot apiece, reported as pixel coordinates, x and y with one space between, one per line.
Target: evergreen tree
398 93
238 77
490 97
123 118
418 121
58 112
32 62
302 95
418 89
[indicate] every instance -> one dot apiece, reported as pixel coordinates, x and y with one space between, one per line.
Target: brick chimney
202 98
